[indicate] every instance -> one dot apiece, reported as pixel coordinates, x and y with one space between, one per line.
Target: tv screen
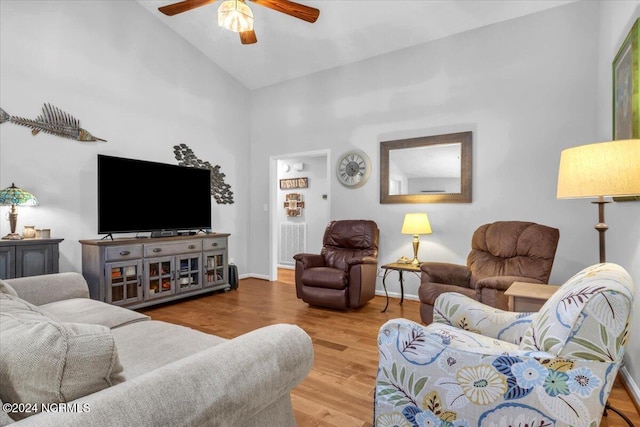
138 195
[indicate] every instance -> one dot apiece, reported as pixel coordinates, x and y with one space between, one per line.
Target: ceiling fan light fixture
235 15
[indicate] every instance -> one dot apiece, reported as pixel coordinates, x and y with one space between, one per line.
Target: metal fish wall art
53 121
220 190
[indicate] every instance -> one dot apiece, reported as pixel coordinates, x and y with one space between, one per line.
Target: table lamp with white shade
416 224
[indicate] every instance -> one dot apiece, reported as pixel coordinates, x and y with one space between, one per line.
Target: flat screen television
139 196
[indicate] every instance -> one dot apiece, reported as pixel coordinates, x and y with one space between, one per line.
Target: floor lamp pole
601 227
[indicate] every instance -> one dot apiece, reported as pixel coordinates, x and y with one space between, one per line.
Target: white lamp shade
602 169
416 223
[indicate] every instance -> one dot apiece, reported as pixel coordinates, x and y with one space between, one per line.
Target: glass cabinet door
160 273
189 271
215 273
124 282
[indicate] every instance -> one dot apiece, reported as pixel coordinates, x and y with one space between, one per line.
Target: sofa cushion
43 360
145 346
47 288
85 310
6 288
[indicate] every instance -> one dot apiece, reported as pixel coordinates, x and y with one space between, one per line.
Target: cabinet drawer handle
214 244
156 250
125 253
192 246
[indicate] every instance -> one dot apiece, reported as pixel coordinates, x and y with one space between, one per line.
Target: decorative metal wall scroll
53 121
293 204
220 190
291 183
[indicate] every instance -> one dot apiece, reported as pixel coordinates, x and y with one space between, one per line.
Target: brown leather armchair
343 275
501 253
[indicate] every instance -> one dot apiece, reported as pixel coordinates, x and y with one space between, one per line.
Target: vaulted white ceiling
346 31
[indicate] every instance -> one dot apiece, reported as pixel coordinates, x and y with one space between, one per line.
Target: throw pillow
46 361
6 288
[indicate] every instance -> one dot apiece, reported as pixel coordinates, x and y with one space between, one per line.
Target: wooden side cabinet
28 257
139 272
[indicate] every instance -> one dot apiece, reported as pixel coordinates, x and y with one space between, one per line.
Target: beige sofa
67 360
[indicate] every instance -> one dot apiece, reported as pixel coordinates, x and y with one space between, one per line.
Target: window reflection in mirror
426 170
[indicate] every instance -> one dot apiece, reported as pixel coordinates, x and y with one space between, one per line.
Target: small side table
28 257
528 297
400 268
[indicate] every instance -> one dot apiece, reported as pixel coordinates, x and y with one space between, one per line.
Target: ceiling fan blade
248 37
183 6
297 10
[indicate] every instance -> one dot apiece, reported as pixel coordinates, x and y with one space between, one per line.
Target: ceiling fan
236 16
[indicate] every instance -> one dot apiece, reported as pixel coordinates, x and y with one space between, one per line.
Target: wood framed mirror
430 169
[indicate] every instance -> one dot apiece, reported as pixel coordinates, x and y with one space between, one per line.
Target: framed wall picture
294 204
291 183
626 102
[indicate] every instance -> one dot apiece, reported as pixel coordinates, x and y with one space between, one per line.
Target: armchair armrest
463 312
502 283
227 385
310 260
362 260
442 272
39 290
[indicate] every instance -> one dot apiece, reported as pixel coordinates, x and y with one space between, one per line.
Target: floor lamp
599 170
606 169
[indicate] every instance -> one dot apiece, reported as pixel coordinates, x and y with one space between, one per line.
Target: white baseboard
397 295
254 276
634 391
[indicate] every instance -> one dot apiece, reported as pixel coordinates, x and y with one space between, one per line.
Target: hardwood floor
339 389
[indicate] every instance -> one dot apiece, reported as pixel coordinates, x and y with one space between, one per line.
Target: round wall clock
353 169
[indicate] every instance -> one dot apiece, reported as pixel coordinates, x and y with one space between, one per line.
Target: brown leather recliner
501 253
343 275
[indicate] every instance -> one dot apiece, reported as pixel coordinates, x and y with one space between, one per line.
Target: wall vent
293 240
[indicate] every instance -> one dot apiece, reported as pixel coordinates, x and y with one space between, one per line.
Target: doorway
298 230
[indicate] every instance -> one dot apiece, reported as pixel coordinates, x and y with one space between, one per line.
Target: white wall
128 79
522 87
623 236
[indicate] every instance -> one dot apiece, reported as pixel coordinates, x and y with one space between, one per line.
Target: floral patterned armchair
481 366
